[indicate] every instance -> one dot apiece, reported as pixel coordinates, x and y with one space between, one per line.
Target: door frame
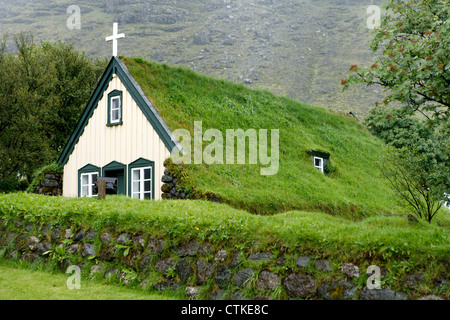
116 166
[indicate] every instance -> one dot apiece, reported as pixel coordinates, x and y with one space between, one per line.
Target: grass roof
356 187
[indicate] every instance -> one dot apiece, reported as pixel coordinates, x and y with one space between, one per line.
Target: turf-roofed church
119 135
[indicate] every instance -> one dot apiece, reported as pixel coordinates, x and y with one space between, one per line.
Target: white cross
114 38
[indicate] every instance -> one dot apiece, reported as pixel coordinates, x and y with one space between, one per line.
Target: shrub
8 185
416 181
22 185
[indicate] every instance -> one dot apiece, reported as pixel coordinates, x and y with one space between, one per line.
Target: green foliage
419 169
40 173
42 94
122 250
9 184
413 44
22 185
59 253
171 272
75 77
131 275
418 182
396 126
329 168
13 184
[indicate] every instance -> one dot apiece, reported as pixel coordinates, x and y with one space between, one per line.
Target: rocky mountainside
298 48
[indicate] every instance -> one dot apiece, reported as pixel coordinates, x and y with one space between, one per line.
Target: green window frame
86 180
141 179
115 109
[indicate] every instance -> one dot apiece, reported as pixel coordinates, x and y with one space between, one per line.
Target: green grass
355 190
23 283
379 237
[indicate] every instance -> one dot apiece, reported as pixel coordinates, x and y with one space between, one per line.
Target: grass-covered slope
355 189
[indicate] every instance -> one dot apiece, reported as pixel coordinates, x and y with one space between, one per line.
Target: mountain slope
301 49
354 189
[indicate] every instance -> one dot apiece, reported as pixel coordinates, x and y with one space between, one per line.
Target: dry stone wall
51 184
172 188
199 269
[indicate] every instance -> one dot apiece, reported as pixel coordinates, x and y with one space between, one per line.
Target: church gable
118 126
117 68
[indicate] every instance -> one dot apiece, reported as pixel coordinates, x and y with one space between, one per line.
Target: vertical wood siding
125 143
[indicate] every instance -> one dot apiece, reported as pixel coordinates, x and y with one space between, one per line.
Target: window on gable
115 108
87 183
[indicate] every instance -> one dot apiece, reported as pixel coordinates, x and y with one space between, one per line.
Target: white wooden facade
134 143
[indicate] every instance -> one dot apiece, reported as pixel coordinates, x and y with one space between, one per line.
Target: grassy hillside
301 49
355 189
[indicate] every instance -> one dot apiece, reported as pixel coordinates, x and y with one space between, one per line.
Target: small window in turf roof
320 159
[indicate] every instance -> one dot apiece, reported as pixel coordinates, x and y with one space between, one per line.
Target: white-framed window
115 109
318 163
87 181
141 183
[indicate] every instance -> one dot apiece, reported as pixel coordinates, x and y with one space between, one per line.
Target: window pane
93 191
147 196
136 186
147 186
94 177
84 179
84 191
136 195
318 162
147 174
136 175
115 103
115 115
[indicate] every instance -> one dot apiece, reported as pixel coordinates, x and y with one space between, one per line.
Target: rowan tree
412 57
